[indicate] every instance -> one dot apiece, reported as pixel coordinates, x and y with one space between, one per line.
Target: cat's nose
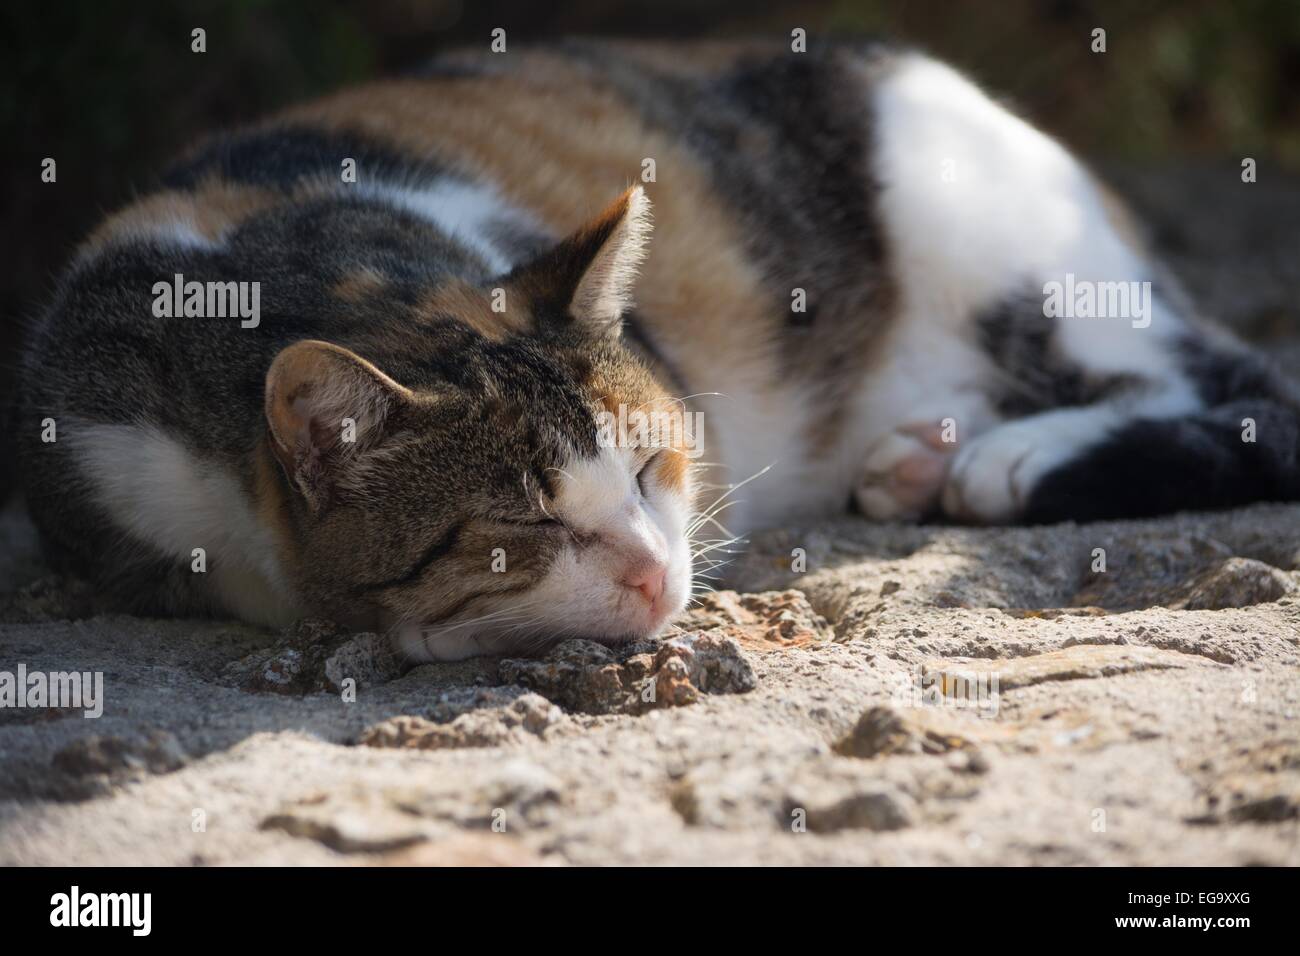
648 579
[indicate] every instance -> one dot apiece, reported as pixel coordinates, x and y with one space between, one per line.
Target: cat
874 285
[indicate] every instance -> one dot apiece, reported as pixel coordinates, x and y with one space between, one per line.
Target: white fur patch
993 477
160 493
184 233
466 212
979 206
599 498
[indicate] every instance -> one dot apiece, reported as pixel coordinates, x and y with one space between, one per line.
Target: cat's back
755 155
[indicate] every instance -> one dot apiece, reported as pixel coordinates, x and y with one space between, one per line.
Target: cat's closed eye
541 521
645 468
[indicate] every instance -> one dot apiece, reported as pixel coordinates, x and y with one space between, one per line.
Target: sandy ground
908 696
918 695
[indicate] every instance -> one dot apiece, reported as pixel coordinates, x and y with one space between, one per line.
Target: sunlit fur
849 250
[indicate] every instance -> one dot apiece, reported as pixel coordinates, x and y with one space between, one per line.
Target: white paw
992 477
904 472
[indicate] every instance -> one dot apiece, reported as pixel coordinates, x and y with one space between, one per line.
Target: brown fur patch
558 276
694 60
671 464
556 145
473 306
632 389
359 285
609 401
671 469
559 147
212 209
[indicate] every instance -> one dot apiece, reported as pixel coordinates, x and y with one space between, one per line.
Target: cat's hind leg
994 477
1244 447
1227 434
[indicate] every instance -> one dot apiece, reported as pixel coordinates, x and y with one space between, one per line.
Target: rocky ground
904 695
917 695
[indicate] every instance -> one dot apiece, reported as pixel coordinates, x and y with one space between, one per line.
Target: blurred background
1185 90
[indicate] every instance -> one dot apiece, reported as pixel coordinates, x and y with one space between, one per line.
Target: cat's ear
589 276
324 406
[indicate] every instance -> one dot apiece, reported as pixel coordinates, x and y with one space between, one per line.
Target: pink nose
648 579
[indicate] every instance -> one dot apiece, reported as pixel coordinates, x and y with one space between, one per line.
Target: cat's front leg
905 470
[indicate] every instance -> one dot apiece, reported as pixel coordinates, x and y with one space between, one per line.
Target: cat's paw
904 473
992 477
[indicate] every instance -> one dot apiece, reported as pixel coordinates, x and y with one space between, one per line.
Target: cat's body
846 279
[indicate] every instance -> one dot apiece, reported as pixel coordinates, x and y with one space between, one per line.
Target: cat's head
483 507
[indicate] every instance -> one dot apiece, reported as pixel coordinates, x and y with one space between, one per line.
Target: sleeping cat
876 287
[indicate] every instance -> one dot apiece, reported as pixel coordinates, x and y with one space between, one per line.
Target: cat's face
484 508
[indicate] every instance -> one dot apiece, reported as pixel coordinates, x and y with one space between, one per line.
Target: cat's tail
1244 447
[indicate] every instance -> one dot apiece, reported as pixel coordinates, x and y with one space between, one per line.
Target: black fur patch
1152 467
786 138
281 157
810 196
1034 375
1226 374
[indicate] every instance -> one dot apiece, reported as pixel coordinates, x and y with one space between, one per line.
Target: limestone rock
586 677
368 659
1256 785
470 849
764 621
52 598
1236 582
878 808
314 656
886 730
515 794
528 715
154 752
1071 663
353 822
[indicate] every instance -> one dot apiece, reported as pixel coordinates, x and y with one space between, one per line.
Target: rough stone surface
316 656
845 715
490 727
759 621
590 678
1147 706
1235 582
957 678
886 730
